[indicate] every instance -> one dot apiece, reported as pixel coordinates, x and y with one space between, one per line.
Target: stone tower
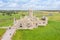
30 13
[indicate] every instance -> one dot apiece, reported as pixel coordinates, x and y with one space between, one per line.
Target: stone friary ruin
30 21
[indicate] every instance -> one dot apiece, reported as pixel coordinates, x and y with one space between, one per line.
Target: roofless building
30 21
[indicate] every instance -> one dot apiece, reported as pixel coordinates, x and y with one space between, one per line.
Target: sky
27 4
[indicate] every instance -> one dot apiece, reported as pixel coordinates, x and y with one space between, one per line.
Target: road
10 32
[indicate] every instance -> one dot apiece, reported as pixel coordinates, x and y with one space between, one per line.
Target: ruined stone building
30 21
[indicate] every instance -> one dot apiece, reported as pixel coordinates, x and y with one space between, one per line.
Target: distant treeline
3 12
49 10
8 12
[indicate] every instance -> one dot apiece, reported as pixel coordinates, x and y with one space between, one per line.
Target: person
9 27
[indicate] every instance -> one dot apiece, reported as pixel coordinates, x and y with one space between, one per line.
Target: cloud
12 5
34 4
1 4
43 5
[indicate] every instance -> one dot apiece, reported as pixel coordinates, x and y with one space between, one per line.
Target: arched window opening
28 24
20 25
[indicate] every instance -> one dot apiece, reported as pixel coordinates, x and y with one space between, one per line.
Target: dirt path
9 32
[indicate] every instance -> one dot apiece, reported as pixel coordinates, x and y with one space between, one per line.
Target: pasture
49 32
2 31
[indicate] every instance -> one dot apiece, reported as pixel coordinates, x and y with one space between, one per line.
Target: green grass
49 32
8 20
2 31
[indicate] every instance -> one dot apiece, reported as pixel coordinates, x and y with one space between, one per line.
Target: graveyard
49 32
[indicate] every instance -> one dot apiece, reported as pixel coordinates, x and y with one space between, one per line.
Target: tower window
28 24
20 25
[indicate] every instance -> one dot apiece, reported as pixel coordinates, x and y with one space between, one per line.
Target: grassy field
8 20
49 32
2 31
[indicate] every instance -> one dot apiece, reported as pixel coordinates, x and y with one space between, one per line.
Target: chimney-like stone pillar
30 13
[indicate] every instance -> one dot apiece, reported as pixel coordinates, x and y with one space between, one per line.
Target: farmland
49 32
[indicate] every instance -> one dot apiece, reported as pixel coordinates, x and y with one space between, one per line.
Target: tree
3 14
